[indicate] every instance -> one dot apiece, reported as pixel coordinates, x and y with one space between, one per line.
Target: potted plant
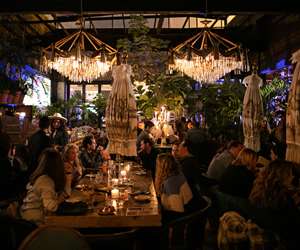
99 103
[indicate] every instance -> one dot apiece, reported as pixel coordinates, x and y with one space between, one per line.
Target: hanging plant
222 107
275 96
146 54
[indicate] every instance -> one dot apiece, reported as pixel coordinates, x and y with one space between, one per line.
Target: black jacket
36 144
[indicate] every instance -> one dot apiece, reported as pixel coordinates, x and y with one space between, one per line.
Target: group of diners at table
263 189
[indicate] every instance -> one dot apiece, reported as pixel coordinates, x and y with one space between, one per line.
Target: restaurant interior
149 124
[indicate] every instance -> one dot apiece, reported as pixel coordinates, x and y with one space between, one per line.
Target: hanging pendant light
79 56
207 56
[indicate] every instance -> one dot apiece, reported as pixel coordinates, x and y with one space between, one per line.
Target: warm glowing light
208 69
79 57
206 57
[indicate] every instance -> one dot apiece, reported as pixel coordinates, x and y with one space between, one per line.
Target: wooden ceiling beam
63 19
160 24
185 22
124 21
154 24
27 25
11 30
214 23
214 6
59 24
94 28
50 28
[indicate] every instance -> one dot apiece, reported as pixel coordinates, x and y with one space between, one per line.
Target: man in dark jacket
38 142
148 155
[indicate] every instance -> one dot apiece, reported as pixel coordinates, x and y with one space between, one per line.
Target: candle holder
115 193
114 182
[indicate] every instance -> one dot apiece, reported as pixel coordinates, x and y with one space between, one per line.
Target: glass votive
127 167
115 181
115 193
125 195
114 204
123 173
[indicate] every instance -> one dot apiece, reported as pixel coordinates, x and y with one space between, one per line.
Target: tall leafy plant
222 107
275 96
148 57
170 90
146 54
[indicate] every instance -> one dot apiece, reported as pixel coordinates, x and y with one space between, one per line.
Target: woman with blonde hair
73 168
238 178
171 185
45 190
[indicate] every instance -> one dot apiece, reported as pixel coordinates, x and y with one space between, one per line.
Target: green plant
222 106
100 103
171 90
148 57
277 88
146 54
56 107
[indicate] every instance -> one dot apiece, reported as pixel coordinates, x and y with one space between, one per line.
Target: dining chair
58 238
13 231
186 225
121 240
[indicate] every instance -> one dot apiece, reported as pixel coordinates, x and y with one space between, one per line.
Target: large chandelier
79 56
206 57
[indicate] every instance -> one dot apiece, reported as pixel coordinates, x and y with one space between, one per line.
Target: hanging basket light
207 56
79 57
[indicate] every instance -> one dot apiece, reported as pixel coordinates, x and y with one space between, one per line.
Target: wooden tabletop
129 213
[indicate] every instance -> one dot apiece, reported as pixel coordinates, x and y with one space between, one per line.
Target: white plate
73 199
141 172
90 175
142 197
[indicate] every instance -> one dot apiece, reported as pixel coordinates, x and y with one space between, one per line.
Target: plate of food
141 172
80 186
142 198
139 192
107 210
73 199
90 175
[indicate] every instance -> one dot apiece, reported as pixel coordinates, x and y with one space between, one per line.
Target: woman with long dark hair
45 190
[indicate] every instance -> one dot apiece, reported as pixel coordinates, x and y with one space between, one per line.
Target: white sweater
40 199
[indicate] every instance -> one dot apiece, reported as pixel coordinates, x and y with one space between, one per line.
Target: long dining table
129 211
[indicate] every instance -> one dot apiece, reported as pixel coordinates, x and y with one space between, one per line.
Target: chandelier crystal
206 57
79 57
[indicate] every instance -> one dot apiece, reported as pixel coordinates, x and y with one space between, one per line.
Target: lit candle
127 167
115 181
123 173
114 204
115 193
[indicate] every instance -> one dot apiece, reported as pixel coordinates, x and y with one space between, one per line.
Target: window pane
105 89
75 88
91 90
